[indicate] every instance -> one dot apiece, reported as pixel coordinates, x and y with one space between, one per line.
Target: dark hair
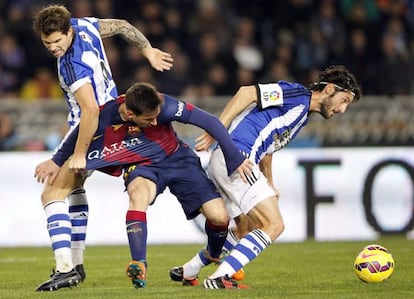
52 18
339 75
142 97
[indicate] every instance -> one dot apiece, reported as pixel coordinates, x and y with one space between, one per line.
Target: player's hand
77 163
204 142
46 171
245 170
159 60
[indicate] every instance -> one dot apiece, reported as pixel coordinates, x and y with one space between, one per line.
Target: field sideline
285 270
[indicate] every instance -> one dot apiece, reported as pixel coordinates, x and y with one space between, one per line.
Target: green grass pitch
284 270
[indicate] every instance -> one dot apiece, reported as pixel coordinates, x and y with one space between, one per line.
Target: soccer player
86 79
262 119
135 133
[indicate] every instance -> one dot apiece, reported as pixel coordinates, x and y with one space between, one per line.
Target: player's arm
175 110
87 126
244 97
158 59
211 124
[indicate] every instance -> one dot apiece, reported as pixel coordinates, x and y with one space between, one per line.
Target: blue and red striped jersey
117 143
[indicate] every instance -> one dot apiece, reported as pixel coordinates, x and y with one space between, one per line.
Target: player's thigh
141 192
190 184
65 182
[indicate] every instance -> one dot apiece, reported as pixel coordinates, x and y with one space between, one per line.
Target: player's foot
137 272
81 270
209 258
239 275
60 280
177 274
223 282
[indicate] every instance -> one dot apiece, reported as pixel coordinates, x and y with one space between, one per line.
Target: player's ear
129 113
70 31
329 89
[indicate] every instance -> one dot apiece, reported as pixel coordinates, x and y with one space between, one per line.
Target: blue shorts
183 174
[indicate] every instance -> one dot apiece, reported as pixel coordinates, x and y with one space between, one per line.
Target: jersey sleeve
269 95
187 113
94 21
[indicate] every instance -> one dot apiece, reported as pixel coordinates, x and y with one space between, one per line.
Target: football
374 263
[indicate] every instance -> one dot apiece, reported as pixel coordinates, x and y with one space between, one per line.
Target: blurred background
217 47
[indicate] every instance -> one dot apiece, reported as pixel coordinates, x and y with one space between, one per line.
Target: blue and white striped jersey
85 61
267 126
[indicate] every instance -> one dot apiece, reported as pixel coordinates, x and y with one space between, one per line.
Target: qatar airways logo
180 109
114 148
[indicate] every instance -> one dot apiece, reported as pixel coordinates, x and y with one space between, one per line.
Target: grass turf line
284 270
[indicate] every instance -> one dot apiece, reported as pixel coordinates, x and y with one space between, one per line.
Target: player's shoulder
173 108
285 85
296 92
85 21
86 29
168 103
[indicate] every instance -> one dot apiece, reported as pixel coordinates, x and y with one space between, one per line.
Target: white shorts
239 197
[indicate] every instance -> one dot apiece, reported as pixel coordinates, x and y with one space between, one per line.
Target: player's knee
272 225
51 194
44 198
215 212
219 219
276 228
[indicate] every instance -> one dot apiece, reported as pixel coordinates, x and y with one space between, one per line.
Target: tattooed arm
158 59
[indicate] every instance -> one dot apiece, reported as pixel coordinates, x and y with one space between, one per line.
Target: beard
326 108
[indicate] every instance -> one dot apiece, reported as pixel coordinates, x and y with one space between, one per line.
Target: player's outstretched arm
244 97
88 125
211 124
158 59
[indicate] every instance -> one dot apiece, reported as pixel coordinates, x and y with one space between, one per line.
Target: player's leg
142 192
255 199
189 271
244 225
78 212
270 225
267 216
216 227
60 230
197 193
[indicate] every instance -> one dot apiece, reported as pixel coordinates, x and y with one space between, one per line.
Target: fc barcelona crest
134 131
